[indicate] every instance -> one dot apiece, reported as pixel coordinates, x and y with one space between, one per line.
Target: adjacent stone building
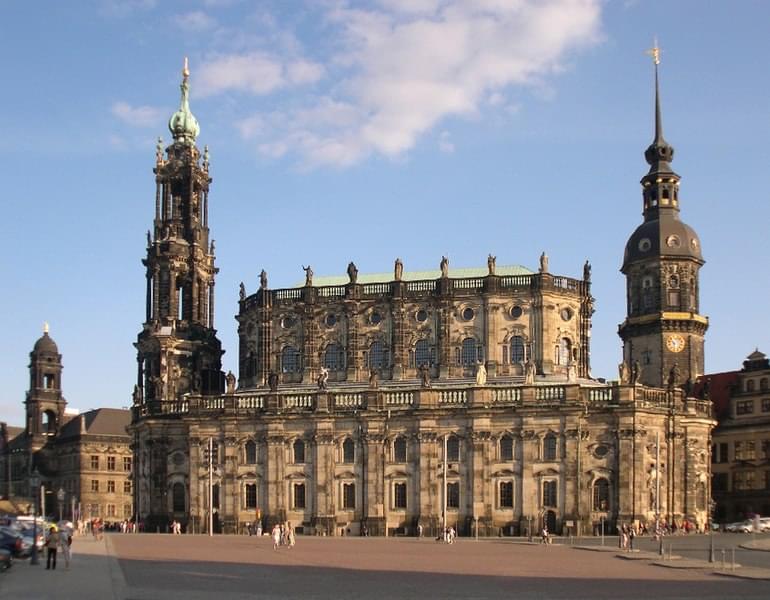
741 442
453 397
85 456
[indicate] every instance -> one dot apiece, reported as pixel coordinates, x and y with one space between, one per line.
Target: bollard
660 546
723 559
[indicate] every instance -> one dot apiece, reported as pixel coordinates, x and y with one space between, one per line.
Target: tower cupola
183 125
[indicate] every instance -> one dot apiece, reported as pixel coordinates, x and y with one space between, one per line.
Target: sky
363 131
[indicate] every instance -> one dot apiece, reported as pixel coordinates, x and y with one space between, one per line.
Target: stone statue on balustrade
263 280
636 372
323 378
137 395
308 275
374 379
444 266
230 381
272 381
623 373
424 375
481 374
398 270
529 372
352 272
242 292
544 263
673 377
491 260
587 272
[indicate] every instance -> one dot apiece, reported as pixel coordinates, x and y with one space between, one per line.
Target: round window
566 314
694 243
376 318
287 322
331 320
645 244
673 241
422 315
601 451
517 311
468 313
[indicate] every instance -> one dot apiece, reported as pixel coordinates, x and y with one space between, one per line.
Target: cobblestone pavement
242 567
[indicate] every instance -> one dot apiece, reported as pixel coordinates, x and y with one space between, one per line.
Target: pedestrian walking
419 531
290 536
51 544
276 536
65 540
631 536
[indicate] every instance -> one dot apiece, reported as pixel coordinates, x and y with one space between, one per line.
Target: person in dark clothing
52 544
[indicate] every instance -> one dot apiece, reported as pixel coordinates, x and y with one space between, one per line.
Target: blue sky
346 131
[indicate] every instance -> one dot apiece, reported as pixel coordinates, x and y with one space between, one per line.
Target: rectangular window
506 494
299 495
349 496
549 493
765 404
673 298
95 463
110 510
745 450
127 511
399 495
127 463
714 457
95 510
251 495
453 494
126 487
744 407
743 480
94 485
110 487
723 457
110 463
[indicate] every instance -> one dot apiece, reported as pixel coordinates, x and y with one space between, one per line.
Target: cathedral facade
378 403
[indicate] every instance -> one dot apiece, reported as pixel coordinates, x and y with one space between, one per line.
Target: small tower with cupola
663 334
44 403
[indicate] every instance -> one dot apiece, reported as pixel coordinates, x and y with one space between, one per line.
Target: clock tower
662 261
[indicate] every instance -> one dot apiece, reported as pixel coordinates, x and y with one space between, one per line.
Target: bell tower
44 403
663 331
178 350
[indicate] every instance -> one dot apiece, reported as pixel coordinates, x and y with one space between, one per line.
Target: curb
119 588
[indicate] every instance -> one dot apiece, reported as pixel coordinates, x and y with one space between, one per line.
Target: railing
473 283
515 281
549 393
602 395
453 397
331 291
216 403
250 402
654 397
303 401
565 283
288 294
508 394
428 285
399 398
373 289
349 400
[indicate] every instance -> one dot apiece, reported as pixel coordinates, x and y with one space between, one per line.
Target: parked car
10 540
764 524
740 527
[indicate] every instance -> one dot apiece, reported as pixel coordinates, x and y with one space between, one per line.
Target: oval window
468 314
422 315
516 312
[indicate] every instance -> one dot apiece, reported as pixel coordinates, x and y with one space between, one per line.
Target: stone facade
382 402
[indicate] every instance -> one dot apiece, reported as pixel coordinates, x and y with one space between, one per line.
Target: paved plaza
163 566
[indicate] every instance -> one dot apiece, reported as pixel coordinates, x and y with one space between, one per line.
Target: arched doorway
550 521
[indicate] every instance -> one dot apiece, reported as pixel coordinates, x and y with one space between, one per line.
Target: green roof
417 275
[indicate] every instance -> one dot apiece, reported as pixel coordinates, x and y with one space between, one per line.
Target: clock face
675 343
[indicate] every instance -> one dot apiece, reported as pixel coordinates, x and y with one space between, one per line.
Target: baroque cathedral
375 403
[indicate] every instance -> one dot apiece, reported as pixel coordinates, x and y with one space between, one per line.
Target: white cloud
398 70
445 143
194 21
256 73
141 116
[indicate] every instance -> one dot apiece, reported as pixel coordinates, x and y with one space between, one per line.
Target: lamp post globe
34 482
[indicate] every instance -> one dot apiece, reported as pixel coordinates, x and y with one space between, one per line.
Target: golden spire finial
186 70
45 326
655 52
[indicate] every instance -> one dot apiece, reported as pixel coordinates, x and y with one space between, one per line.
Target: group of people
283 535
54 541
254 528
176 527
448 535
627 535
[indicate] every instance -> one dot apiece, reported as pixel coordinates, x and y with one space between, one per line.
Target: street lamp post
712 506
60 496
34 482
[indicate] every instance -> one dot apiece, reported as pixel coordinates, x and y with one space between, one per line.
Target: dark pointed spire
660 153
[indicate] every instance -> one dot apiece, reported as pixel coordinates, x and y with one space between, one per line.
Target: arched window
422 353
299 451
506 447
290 360
601 494
49 381
564 352
377 356
453 449
250 452
334 357
517 349
348 451
763 384
399 450
549 447
48 422
178 498
750 385
469 354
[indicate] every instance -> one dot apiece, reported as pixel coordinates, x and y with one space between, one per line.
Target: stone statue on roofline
242 292
544 263
352 272
587 271
491 260
230 381
444 266
263 280
398 270
308 275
